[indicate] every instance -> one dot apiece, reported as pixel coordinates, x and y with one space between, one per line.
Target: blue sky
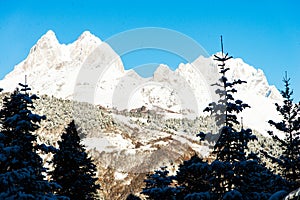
264 34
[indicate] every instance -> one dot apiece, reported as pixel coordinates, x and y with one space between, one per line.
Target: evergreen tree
194 176
235 174
74 170
159 186
232 143
21 168
289 161
257 181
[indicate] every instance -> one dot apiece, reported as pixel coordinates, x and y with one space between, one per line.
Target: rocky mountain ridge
89 70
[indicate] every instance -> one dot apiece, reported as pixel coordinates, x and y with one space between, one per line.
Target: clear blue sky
265 34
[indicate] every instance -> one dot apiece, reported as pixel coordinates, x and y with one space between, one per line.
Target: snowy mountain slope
121 142
126 145
89 70
51 67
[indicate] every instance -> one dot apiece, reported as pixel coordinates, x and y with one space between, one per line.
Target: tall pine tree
74 169
289 160
232 143
21 168
234 172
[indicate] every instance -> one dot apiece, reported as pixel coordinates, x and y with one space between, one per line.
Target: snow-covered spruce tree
194 176
159 186
257 181
73 168
21 167
289 161
232 143
234 173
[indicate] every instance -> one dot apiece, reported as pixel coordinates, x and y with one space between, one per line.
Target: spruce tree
21 175
194 176
235 173
159 186
232 143
289 160
73 168
257 181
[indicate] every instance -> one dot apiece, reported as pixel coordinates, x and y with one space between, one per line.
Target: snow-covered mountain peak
47 41
88 38
134 74
162 67
49 35
51 67
56 69
88 35
47 52
162 73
